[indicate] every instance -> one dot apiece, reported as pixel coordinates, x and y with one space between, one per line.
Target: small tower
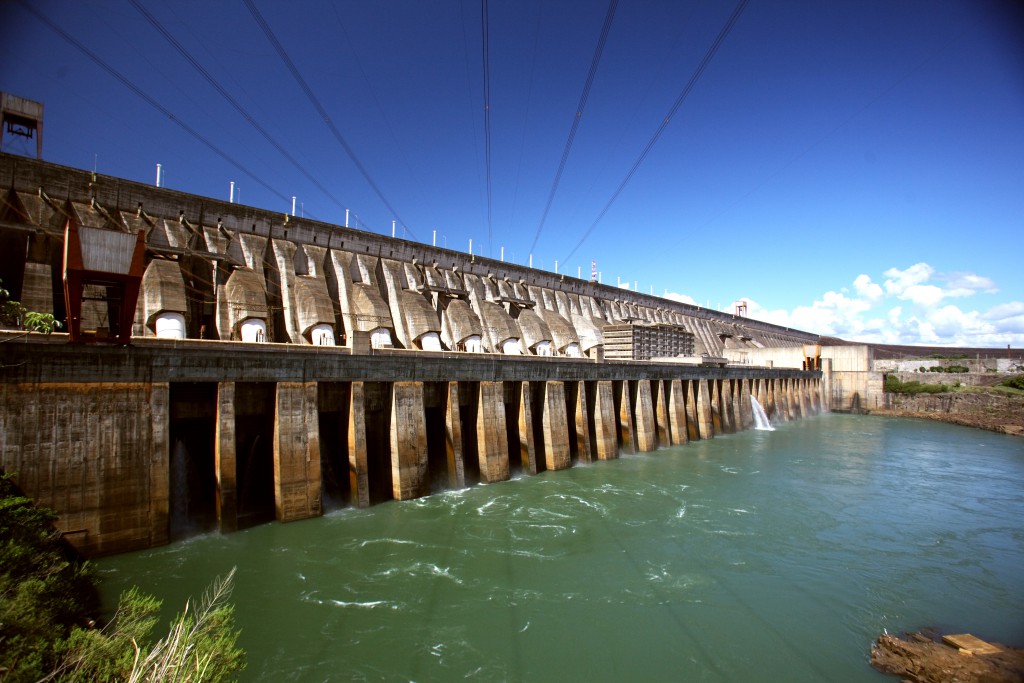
19 116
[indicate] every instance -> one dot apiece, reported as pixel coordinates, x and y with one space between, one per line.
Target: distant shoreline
1000 413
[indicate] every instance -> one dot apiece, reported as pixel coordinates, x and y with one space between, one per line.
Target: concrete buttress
659 391
526 448
358 469
296 451
646 430
159 469
605 438
705 413
555 427
492 440
453 439
677 412
225 458
627 426
692 422
408 441
577 396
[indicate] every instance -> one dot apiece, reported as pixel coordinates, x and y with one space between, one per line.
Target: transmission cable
487 114
594 62
272 39
708 56
232 101
148 99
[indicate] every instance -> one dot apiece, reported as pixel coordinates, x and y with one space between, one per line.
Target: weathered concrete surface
492 444
96 453
555 427
225 458
296 452
408 441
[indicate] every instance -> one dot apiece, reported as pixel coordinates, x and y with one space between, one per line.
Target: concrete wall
220 264
273 430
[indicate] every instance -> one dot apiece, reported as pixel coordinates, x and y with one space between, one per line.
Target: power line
265 27
487 113
231 100
595 60
148 99
708 56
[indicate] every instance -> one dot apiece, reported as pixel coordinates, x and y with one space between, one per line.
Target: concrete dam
225 366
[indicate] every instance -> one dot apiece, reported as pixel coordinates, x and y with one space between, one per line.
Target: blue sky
848 168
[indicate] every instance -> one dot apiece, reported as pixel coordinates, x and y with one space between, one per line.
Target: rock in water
920 659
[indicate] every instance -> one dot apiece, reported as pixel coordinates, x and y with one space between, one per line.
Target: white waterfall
760 417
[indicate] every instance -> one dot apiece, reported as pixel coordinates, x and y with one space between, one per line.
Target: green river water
760 556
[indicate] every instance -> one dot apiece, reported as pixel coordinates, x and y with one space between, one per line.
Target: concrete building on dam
225 365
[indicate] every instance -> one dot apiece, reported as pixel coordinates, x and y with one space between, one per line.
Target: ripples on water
762 556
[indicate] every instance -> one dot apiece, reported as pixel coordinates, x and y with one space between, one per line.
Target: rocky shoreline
995 412
922 658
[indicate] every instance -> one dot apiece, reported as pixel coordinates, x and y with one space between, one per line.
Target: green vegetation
948 368
14 314
47 595
942 356
1014 382
893 385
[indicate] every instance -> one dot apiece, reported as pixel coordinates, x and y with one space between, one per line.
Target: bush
47 596
893 385
44 589
1014 382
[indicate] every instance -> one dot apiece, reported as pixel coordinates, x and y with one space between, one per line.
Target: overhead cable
276 44
594 62
231 100
487 114
708 56
148 99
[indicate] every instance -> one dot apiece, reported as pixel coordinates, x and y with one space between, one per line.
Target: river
759 556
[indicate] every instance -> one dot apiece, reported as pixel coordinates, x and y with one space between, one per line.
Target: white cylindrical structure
170 325
253 330
159 168
472 344
293 206
322 335
231 194
573 350
430 342
543 348
380 338
511 347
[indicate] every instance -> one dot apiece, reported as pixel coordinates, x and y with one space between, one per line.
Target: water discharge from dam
758 556
761 420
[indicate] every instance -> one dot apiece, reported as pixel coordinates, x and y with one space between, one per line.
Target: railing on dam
135 445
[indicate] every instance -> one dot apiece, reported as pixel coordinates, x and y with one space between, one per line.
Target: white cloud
899 280
923 295
868 289
868 314
682 298
969 282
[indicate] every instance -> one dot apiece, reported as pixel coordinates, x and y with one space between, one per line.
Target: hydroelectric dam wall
279 365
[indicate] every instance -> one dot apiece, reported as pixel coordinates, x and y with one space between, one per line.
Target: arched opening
169 325
253 330
321 335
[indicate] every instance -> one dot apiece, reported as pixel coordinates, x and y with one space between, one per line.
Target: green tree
14 314
47 596
44 590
